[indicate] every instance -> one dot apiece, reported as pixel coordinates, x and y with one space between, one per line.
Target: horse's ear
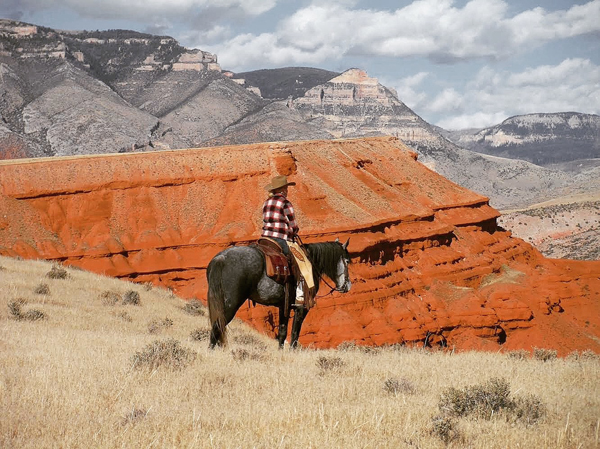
337 240
345 245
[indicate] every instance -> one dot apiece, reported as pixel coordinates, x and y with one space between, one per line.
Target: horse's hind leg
215 336
283 326
231 307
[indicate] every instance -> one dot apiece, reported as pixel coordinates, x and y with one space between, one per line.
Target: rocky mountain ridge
68 93
543 139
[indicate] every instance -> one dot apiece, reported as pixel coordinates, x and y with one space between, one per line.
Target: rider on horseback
243 272
279 221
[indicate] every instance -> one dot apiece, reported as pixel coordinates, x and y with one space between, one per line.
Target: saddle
277 264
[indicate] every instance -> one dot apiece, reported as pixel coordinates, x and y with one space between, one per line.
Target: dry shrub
155 326
241 354
148 286
33 315
481 400
42 289
131 297
250 340
398 347
57 272
110 298
445 428
348 346
14 309
520 354
544 355
163 353
194 307
133 416
200 334
2 268
529 409
489 399
372 350
332 363
125 317
396 386
586 355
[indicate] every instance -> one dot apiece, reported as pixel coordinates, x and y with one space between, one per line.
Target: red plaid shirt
278 218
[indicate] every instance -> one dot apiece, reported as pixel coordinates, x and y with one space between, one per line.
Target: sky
456 63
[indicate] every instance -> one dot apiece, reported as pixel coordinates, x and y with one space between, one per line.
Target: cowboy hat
278 182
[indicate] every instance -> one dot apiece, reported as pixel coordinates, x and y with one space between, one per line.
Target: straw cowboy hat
279 181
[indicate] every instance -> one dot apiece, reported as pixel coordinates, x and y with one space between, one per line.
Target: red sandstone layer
429 262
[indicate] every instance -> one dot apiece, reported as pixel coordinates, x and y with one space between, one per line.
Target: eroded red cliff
429 262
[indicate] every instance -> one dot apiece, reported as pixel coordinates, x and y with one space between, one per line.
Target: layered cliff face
430 266
354 104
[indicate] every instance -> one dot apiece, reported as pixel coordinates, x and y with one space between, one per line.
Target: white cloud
474 120
537 25
248 50
492 96
432 28
409 89
216 33
140 10
446 101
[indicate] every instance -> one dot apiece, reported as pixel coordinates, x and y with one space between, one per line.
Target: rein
327 284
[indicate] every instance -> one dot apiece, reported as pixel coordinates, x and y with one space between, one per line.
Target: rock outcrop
430 265
354 104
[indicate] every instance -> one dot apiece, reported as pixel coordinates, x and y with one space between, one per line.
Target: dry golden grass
90 374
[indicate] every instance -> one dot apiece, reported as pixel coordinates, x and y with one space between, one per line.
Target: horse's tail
216 302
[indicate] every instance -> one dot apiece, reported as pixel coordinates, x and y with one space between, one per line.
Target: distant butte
430 264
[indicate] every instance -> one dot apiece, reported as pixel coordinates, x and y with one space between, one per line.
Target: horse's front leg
283 326
299 315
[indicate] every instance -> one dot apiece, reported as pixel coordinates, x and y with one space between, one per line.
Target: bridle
321 278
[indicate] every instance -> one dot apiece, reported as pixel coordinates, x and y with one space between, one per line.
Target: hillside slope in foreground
430 265
87 360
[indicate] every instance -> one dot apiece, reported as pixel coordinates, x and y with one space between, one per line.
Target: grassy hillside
89 361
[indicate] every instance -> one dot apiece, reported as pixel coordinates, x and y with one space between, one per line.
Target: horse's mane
324 257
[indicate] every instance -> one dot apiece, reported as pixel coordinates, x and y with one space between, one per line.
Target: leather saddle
277 264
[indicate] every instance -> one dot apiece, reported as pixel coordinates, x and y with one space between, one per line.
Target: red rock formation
429 262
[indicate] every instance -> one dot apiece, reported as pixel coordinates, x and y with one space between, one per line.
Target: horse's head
342 278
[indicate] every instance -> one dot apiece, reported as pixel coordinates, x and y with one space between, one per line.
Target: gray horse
239 273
